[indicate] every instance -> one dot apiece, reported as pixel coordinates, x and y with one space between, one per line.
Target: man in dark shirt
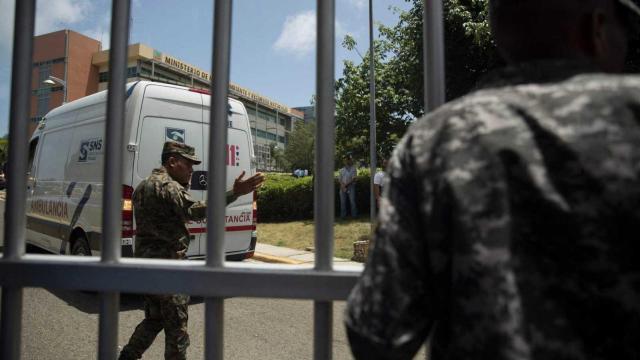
510 217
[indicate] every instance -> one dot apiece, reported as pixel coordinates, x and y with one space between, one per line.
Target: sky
273 41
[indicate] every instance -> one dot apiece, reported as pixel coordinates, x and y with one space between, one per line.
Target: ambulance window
53 157
32 153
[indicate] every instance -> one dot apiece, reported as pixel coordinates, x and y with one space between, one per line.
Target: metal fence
110 275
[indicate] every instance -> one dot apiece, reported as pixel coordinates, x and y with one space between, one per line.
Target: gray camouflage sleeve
390 310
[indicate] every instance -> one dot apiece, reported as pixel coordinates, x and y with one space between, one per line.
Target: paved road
63 325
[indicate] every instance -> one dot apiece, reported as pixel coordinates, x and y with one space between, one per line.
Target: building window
43 104
131 73
44 72
46 90
48 62
267 116
251 113
281 139
263 156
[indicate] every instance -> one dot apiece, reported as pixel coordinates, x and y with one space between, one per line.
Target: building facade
271 121
77 61
63 55
308 113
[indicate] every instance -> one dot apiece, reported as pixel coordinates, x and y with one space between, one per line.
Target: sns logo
233 155
174 134
89 148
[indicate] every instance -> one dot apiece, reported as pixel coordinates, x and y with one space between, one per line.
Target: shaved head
527 30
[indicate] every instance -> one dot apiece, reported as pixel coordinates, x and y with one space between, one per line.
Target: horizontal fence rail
156 276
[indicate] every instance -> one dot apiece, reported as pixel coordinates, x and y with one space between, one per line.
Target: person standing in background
378 180
347 179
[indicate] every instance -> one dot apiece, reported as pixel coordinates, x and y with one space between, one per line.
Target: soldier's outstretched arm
195 210
243 187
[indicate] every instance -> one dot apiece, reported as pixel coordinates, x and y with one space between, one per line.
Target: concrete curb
275 259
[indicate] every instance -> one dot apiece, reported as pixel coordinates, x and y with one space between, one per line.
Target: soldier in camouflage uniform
162 207
510 220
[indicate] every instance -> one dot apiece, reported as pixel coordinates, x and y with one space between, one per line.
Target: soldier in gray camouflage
162 207
510 219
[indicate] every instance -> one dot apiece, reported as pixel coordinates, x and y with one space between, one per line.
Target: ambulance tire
80 246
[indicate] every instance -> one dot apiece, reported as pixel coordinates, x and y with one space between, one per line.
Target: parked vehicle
66 162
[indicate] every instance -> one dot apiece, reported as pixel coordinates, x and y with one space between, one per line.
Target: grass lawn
299 234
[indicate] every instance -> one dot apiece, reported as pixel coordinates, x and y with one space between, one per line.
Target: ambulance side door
169 114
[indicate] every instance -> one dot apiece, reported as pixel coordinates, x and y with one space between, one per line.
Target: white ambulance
66 162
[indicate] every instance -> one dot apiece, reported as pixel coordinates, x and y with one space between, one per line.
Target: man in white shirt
348 187
378 178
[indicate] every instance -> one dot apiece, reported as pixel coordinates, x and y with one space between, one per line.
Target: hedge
286 198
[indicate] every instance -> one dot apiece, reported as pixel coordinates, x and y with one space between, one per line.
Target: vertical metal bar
11 323
434 69
433 47
372 118
325 153
214 328
218 133
214 309
323 329
15 221
114 142
108 330
112 193
19 130
325 140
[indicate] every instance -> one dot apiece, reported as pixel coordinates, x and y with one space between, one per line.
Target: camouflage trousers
168 312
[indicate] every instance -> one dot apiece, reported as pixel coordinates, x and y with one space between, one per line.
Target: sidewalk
282 255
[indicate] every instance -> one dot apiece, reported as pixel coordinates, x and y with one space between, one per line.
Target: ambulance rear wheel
80 247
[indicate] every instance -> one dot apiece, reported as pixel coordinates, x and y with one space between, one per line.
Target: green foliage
277 154
286 198
398 62
299 153
4 149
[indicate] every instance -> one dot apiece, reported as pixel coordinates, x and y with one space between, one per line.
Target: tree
4 149
398 61
299 152
277 154
470 53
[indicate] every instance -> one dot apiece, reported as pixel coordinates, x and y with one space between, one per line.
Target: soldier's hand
242 187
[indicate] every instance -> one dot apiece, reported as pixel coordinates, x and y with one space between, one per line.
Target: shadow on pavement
89 302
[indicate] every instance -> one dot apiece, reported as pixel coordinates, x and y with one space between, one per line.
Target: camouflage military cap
184 150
